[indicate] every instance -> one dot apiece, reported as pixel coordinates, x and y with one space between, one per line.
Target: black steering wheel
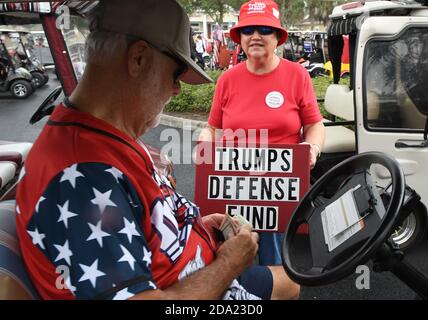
47 106
333 264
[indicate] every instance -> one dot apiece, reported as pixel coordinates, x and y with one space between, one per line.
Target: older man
92 205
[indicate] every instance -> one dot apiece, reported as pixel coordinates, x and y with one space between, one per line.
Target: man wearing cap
265 93
95 218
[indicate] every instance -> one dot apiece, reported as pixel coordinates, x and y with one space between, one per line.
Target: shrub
199 98
195 98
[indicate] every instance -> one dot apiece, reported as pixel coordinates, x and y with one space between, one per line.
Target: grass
320 85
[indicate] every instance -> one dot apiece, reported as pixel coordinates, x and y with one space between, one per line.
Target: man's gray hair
100 44
103 45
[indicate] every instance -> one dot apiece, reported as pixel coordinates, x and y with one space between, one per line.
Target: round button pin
274 99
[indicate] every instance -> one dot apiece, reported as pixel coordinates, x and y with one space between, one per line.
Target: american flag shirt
95 219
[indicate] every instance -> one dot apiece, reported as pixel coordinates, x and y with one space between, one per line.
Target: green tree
292 11
216 9
319 10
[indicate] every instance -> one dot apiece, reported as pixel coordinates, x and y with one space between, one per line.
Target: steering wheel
331 264
47 106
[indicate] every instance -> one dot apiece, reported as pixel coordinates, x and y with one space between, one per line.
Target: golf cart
314 47
384 107
293 47
17 80
308 49
26 59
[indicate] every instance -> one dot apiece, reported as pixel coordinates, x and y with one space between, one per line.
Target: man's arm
233 257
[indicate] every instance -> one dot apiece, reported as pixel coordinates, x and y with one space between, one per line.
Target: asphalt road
14 126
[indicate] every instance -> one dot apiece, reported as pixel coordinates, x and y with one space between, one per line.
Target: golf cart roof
3 31
344 17
385 7
27 12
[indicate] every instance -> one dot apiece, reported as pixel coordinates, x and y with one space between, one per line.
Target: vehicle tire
40 79
21 89
412 230
317 72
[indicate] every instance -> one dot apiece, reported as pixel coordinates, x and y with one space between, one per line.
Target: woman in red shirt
265 99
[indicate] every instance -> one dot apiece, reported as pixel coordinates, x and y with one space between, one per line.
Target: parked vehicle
17 80
384 108
25 58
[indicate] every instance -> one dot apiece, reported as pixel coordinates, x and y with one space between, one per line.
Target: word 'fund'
253 159
261 218
253 188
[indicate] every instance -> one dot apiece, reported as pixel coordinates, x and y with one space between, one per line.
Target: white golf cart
385 106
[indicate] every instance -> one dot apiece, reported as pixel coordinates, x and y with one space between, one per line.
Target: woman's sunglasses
262 30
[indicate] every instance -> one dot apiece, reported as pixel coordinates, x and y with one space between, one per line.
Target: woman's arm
314 134
210 133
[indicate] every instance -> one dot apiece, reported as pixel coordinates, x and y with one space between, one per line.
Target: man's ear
138 57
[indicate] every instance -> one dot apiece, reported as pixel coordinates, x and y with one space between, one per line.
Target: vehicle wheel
317 72
40 79
412 230
21 89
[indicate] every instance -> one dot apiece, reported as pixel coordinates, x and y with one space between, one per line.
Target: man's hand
212 221
238 252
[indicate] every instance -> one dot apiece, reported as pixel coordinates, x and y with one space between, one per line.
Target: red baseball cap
259 13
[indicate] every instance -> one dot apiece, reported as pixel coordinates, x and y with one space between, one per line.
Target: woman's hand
314 135
314 153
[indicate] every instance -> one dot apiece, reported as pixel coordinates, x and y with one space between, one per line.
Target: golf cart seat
15 152
15 283
339 102
7 172
339 139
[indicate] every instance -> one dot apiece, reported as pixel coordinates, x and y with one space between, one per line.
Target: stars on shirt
65 214
37 238
129 229
147 257
71 174
91 273
97 233
64 252
98 249
102 200
123 294
38 203
127 257
115 173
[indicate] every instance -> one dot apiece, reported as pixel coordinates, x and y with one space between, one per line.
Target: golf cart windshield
395 83
75 39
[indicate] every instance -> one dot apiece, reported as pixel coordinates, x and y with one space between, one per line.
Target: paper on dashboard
341 220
